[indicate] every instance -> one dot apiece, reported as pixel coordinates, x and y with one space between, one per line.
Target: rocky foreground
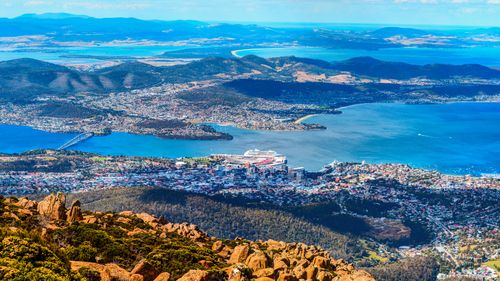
46 241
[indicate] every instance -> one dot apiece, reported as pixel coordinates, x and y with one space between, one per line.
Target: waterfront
459 138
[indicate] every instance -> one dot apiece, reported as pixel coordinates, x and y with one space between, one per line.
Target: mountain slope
45 241
24 79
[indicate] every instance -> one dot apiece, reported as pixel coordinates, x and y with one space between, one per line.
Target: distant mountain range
368 66
62 27
67 27
25 78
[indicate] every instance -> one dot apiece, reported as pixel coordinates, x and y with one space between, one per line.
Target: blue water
489 56
56 55
461 138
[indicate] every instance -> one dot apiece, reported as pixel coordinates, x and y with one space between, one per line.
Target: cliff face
45 241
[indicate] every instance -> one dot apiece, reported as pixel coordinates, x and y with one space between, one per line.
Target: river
457 138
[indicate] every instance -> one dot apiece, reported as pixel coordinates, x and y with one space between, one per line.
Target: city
460 212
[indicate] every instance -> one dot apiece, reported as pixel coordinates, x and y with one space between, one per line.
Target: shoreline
304 118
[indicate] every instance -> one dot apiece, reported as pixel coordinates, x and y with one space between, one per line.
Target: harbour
376 133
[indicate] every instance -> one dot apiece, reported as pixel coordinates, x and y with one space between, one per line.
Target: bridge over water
76 140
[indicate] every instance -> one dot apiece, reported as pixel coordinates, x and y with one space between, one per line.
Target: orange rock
257 260
74 214
286 277
239 255
281 263
53 207
265 272
217 246
264 279
164 276
146 270
136 277
194 275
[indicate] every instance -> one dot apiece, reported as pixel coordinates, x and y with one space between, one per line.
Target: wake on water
431 137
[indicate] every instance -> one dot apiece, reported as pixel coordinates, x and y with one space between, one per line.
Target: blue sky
421 12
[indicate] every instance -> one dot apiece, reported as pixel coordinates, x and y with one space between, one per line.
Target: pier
76 140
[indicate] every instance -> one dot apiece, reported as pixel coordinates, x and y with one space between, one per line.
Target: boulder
53 207
311 272
300 270
257 260
321 262
194 275
145 269
136 277
225 252
108 271
90 219
264 279
74 214
239 255
217 246
324 276
265 272
286 277
164 276
149 219
275 245
26 203
281 263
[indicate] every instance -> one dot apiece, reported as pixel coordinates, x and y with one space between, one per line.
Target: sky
402 12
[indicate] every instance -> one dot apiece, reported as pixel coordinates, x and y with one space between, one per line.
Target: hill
371 67
23 79
288 79
45 241
386 32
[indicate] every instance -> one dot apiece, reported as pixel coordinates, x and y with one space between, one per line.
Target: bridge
74 141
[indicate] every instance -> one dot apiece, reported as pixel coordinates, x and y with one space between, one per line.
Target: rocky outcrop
257 260
233 260
109 271
190 231
53 207
74 213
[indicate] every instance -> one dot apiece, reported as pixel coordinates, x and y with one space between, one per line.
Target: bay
458 138
59 55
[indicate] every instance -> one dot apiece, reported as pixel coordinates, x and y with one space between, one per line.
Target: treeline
222 219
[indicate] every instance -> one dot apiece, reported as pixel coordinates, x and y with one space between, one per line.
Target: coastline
304 118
